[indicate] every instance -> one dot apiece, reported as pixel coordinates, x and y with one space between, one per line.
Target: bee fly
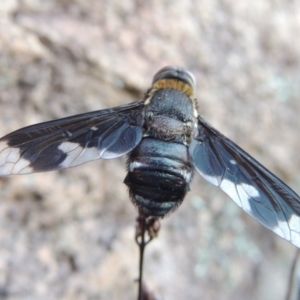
165 139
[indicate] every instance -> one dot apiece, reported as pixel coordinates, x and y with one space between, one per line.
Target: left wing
250 185
71 141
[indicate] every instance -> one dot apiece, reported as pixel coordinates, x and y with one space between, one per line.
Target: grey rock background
69 234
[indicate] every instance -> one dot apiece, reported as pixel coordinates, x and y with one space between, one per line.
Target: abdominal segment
159 176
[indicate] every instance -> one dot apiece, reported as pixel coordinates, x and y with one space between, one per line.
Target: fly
165 140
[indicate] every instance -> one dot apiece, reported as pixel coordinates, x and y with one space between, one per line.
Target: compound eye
173 72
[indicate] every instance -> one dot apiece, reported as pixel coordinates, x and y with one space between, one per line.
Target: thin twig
151 226
141 261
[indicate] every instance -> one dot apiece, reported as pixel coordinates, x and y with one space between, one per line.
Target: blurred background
70 234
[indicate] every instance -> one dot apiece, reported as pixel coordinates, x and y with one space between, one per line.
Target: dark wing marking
251 186
71 141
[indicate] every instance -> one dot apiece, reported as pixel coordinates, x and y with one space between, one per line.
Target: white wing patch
77 155
229 188
249 189
22 167
283 230
243 193
11 162
6 169
246 193
294 227
67 147
8 155
295 224
295 238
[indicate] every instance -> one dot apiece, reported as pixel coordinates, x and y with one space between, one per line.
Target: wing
71 141
251 186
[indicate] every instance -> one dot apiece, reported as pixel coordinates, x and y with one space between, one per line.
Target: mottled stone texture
70 234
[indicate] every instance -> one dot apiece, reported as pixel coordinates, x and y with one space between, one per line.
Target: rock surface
70 234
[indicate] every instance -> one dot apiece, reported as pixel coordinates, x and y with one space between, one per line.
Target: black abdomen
159 175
